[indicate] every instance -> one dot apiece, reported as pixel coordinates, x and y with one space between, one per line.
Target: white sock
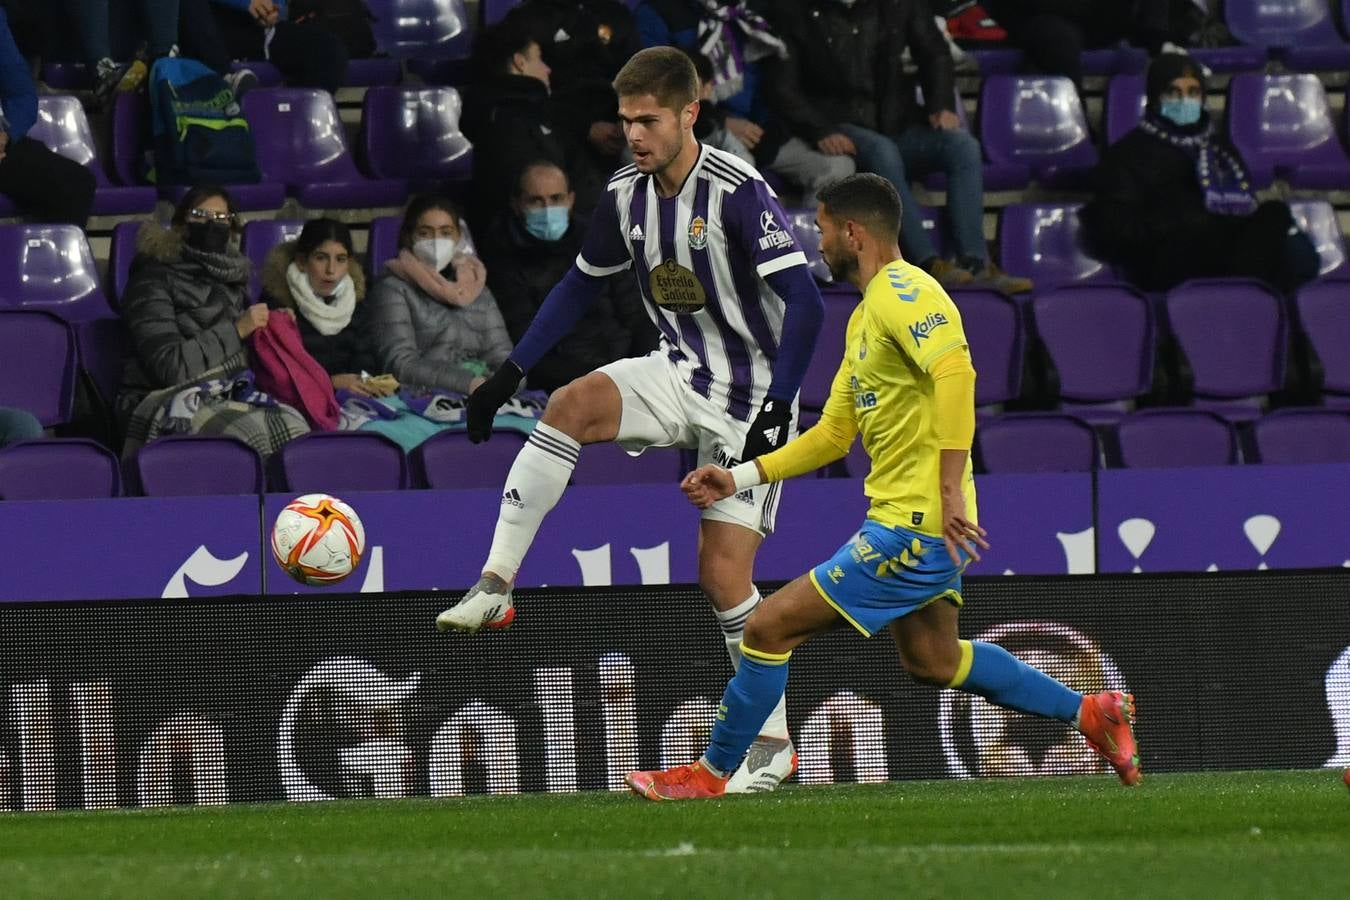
733 629
533 487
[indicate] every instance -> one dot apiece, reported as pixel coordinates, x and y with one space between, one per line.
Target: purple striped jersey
701 259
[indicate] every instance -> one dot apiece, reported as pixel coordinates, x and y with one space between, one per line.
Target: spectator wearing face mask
527 252
437 325
1173 200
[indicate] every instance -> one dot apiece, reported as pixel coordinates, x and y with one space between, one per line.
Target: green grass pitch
1211 836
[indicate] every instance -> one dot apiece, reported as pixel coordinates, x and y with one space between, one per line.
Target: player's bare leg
931 652
587 411
781 623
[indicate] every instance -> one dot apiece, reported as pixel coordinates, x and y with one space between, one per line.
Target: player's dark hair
317 232
419 207
533 165
867 199
664 72
702 65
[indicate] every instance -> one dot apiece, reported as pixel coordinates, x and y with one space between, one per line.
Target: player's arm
603 254
954 423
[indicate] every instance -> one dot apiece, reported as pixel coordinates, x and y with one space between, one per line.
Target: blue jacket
18 93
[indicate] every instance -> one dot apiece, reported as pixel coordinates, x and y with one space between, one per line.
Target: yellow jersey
904 324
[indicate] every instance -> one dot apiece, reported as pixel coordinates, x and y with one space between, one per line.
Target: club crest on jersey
774 236
920 331
698 233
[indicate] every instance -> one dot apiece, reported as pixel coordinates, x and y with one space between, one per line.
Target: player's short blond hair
663 72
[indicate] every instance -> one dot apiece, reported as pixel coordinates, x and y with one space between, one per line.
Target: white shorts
660 409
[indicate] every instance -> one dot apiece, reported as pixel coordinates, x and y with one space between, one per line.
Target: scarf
1223 178
470 276
231 266
327 316
719 40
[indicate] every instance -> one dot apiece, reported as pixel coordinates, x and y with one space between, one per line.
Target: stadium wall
222 700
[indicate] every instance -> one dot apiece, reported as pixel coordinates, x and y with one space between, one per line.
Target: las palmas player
907 384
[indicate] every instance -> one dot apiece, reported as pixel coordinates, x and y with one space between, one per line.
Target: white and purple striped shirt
701 259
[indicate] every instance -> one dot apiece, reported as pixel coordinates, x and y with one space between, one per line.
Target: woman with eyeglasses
190 314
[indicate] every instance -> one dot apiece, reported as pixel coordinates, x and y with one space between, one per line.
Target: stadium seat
1120 59
998 176
67 76
414 134
1100 339
1282 125
1126 98
37 364
449 460
611 464
382 245
360 72
993 325
1038 122
1297 436
1301 32
1324 316
50 267
1037 442
1043 242
131 145
195 465
301 144
839 305
1171 438
428 29
495 10
121 253
335 461
1318 219
103 345
58 469
1233 334
258 239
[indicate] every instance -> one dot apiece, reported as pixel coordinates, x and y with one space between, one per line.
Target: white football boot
486 605
769 761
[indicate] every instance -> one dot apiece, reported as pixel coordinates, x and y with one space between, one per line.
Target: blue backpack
199 133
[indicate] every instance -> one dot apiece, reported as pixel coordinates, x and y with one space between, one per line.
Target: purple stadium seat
1170 438
67 76
301 144
1100 339
1125 101
1233 334
120 256
1037 442
37 364
611 464
1042 241
335 461
1318 219
1120 59
495 10
1302 32
998 60
998 176
414 134
58 469
1296 436
1324 315
449 460
258 239
993 326
429 29
1037 121
839 305
803 222
1235 58
184 465
1282 126
103 345
50 267
131 145
383 243
360 72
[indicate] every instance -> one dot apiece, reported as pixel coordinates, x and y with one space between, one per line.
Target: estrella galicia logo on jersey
698 233
774 236
920 331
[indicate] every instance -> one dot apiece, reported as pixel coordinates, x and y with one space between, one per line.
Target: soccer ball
318 539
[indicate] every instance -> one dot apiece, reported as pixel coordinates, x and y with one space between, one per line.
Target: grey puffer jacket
425 343
181 318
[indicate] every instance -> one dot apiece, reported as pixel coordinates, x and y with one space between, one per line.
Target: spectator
738 45
318 279
511 118
1173 199
217 31
188 309
18 425
528 251
843 89
711 126
436 323
101 38
43 184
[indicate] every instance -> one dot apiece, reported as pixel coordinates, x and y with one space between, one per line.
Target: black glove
769 430
491 394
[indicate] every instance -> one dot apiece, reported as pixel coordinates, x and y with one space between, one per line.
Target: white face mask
435 252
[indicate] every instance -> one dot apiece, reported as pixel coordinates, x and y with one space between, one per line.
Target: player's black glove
769 430
491 394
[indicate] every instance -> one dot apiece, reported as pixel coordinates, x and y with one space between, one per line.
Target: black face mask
209 237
